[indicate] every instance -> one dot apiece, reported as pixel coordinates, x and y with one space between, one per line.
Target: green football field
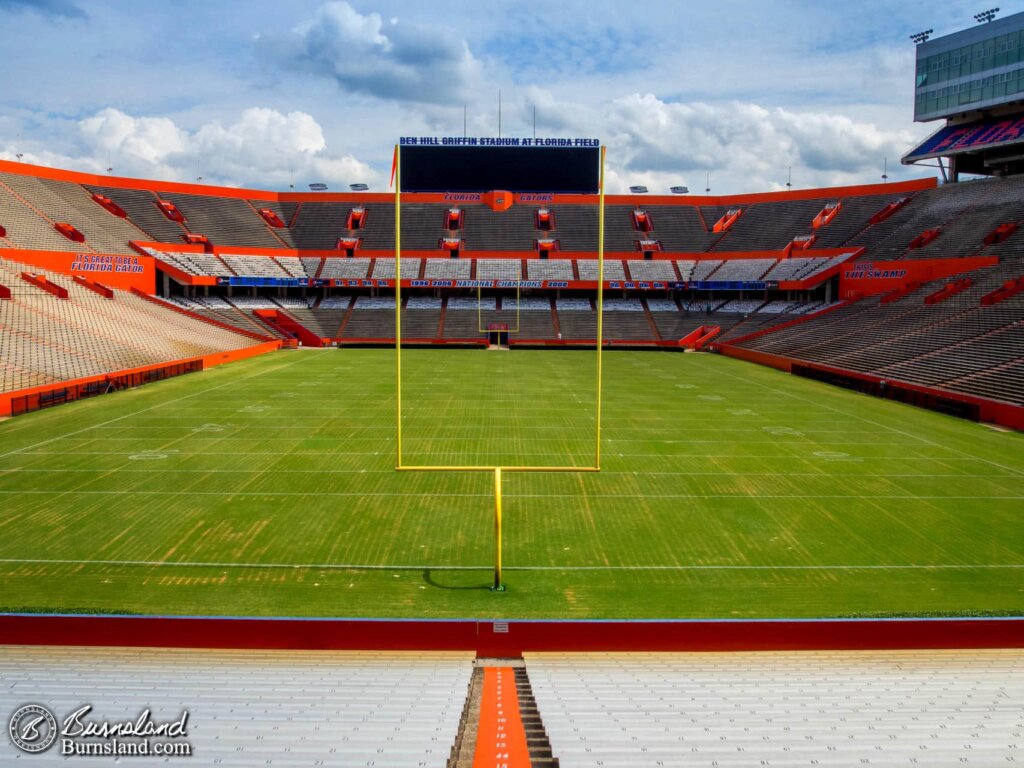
267 487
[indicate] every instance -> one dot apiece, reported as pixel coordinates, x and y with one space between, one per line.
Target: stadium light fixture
679 190
358 187
921 37
19 155
318 187
707 184
986 16
639 189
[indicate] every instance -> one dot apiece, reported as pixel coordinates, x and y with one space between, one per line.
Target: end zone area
267 488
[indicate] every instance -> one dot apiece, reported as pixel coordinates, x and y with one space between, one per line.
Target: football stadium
304 477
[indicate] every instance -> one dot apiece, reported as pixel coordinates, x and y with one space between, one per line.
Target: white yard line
363 494
205 471
390 450
380 567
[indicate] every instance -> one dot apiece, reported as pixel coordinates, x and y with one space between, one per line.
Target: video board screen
569 170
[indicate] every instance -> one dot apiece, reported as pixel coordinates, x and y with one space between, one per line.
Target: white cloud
261 148
145 141
744 147
417 62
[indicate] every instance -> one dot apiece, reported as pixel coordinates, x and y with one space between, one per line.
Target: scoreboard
567 170
979 68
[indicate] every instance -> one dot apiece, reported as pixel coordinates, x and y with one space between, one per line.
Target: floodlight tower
921 37
986 16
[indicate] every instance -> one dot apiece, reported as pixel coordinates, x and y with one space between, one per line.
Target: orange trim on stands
863 277
234 355
500 738
77 177
121 271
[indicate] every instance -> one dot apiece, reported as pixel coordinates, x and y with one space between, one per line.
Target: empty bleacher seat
549 269
499 269
448 269
804 708
45 340
375 302
662 305
573 304
464 303
651 270
254 266
348 269
423 302
622 305
612 269
254 707
384 269
742 270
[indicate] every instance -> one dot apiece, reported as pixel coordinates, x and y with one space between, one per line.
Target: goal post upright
398 302
498 587
600 306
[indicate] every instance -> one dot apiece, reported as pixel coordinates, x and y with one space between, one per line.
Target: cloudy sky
268 94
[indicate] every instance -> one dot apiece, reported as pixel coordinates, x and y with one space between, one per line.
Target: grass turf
267 487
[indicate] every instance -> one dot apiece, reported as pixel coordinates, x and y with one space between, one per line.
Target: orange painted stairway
508 732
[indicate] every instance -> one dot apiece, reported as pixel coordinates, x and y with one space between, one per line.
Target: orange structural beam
726 222
43 284
271 218
93 286
826 215
949 289
888 210
1003 292
924 238
69 231
110 205
1001 232
699 336
500 738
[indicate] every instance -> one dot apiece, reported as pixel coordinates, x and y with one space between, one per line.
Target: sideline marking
924 440
233 382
